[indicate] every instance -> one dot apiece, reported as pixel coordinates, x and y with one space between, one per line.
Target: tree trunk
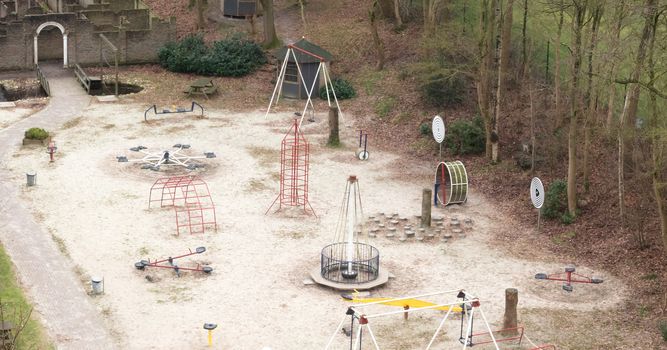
532 131
557 58
619 15
431 9
200 7
270 36
485 68
590 101
334 137
377 42
503 64
657 144
302 8
524 49
397 13
577 25
427 194
510 319
632 99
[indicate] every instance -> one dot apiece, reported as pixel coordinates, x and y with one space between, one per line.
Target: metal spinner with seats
153 160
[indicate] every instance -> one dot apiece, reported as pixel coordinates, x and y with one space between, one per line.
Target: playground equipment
452 176
537 197
569 277
294 166
190 197
467 303
51 149
210 327
363 154
347 260
406 304
309 91
153 160
438 130
171 264
464 303
173 110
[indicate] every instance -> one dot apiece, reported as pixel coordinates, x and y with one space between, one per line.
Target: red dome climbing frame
189 195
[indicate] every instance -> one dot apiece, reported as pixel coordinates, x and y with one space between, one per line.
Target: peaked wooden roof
303 57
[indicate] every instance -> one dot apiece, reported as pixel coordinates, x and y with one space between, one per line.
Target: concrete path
67 312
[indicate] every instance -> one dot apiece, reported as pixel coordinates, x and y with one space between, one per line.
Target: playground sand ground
96 210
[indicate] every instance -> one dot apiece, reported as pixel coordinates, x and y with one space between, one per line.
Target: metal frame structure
309 92
176 110
153 160
569 277
294 167
105 42
142 264
457 179
190 197
468 303
362 154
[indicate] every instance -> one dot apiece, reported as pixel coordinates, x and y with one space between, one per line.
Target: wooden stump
510 318
334 138
426 208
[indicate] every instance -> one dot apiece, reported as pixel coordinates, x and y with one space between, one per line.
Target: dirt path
60 301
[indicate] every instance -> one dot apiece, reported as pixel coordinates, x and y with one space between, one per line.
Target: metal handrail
43 81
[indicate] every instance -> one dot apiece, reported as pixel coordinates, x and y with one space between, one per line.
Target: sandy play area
97 211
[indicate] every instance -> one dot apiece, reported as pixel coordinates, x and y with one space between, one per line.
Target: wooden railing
82 77
43 81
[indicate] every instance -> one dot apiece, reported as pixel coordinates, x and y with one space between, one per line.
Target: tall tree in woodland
200 8
524 49
431 9
590 101
503 65
377 42
557 63
629 112
485 71
397 13
619 15
580 8
270 36
658 143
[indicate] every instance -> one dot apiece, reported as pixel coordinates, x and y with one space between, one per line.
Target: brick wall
50 42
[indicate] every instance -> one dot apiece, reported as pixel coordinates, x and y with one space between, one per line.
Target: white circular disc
363 155
537 192
438 128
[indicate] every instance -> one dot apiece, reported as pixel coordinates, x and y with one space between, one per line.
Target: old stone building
69 30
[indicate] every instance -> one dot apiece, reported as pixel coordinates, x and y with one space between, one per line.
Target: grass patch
384 106
650 277
62 247
257 185
264 155
72 123
563 237
33 336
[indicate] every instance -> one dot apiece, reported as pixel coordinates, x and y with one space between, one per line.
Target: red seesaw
172 265
569 277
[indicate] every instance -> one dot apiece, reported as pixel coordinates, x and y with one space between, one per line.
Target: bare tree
377 42
616 36
632 98
484 93
18 317
591 110
200 8
503 64
431 10
580 8
270 36
557 63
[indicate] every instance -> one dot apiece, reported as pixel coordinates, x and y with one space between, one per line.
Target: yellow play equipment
404 303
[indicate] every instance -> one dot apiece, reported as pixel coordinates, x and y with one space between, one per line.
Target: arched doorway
36 46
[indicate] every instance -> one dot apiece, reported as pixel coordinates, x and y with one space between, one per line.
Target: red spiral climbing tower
294 163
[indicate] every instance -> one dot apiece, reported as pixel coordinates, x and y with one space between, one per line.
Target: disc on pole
363 155
438 129
537 192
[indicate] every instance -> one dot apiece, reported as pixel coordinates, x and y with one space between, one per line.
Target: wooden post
334 138
426 207
510 318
